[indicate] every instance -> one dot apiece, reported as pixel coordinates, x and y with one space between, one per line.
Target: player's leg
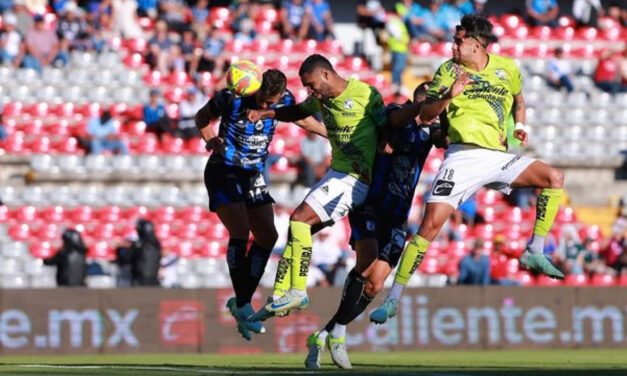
265 235
551 180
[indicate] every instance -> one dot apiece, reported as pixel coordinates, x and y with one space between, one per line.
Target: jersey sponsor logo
510 163
542 203
305 260
443 187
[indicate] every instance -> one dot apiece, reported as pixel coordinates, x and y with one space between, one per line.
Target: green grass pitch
436 363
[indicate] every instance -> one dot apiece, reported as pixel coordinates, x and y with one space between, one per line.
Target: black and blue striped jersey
395 176
246 144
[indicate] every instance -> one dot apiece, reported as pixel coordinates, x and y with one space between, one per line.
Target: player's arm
203 119
433 107
288 114
439 134
519 109
399 118
310 124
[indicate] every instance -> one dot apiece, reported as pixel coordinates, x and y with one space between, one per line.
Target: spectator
11 42
188 107
72 27
329 255
70 260
159 48
5 5
559 73
146 255
124 260
42 47
246 33
570 251
613 248
587 12
155 116
470 6
398 43
524 198
607 75
190 50
618 14
440 20
211 59
3 131
24 19
468 211
371 15
413 14
124 19
103 135
168 276
200 16
499 274
294 19
542 12
313 161
474 268
147 8
241 10
321 19
175 13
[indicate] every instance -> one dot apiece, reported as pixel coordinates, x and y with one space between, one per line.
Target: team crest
500 74
259 125
348 104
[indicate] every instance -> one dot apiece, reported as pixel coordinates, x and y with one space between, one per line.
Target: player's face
316 84
265 102
463 47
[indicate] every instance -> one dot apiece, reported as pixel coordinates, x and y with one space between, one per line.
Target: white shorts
467 168
335 195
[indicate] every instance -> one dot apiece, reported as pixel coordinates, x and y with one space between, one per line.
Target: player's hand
254 115
216 145
460 84
521 135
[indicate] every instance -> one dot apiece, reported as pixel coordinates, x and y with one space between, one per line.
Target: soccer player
236 187
377 233
352 113
479 90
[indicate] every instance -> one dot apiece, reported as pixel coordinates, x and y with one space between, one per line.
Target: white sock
339 331
396 291
296 292
323 335
276 297
536 245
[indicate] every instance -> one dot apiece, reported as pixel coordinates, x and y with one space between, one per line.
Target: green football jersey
479 115
352 120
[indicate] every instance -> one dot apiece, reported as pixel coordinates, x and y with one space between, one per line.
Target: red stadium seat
103 231
48 231
42 250
14 144
483 231
520 32
173 111
331 47
148 144
513 215
422 49
184 249
541 32
205 79
564 33
135 212
603 280
511 21
587 33
136 45
118 109
195 146
268 14
134 128
488 214
613 34
212 249
192 214
25 214
172 145
91 110
153 78
566 215
308 46
174 95
622 280
59 128
5 214
65 110
101 250
489 197
134 60
219 17
566 21
218 232
163 231
163 214
39 109
187 231
429 266
20 232
544 280
81 214
12 109
575 280
40 145
109 214
524 278
593 232
53 214
179 78
457 249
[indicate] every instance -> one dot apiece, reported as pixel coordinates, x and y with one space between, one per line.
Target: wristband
521 126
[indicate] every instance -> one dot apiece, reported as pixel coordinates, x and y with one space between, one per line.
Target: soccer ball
244 78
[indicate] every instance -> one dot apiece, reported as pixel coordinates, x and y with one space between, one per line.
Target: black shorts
226 185
366 222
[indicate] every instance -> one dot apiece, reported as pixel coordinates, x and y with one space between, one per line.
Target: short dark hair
477 27
422 88
314 62
105 117
273 83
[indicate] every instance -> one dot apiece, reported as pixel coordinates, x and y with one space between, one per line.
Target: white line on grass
163 368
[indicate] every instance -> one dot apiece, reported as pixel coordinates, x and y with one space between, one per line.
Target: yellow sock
283 277
301 254
546 209
411 260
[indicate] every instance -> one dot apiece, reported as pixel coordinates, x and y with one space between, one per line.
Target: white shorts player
335 195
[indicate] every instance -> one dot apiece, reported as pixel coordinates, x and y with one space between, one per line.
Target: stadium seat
163 214
184 249
103 231
109 214
20 232
603 280
565 215
135 212
524 278
53 214
575 280
48 231
622 280
192 214
101 250
543 280
212 249
25 214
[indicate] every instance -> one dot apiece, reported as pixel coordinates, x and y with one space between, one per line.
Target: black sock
256 262
361 306
236 260
353 289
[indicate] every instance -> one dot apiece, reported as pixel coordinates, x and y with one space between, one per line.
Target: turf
440 363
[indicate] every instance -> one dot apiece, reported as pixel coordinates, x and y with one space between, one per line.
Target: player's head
420 92
317 74
472 37
273 86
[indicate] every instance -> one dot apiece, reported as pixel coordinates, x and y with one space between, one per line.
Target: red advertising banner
81 321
